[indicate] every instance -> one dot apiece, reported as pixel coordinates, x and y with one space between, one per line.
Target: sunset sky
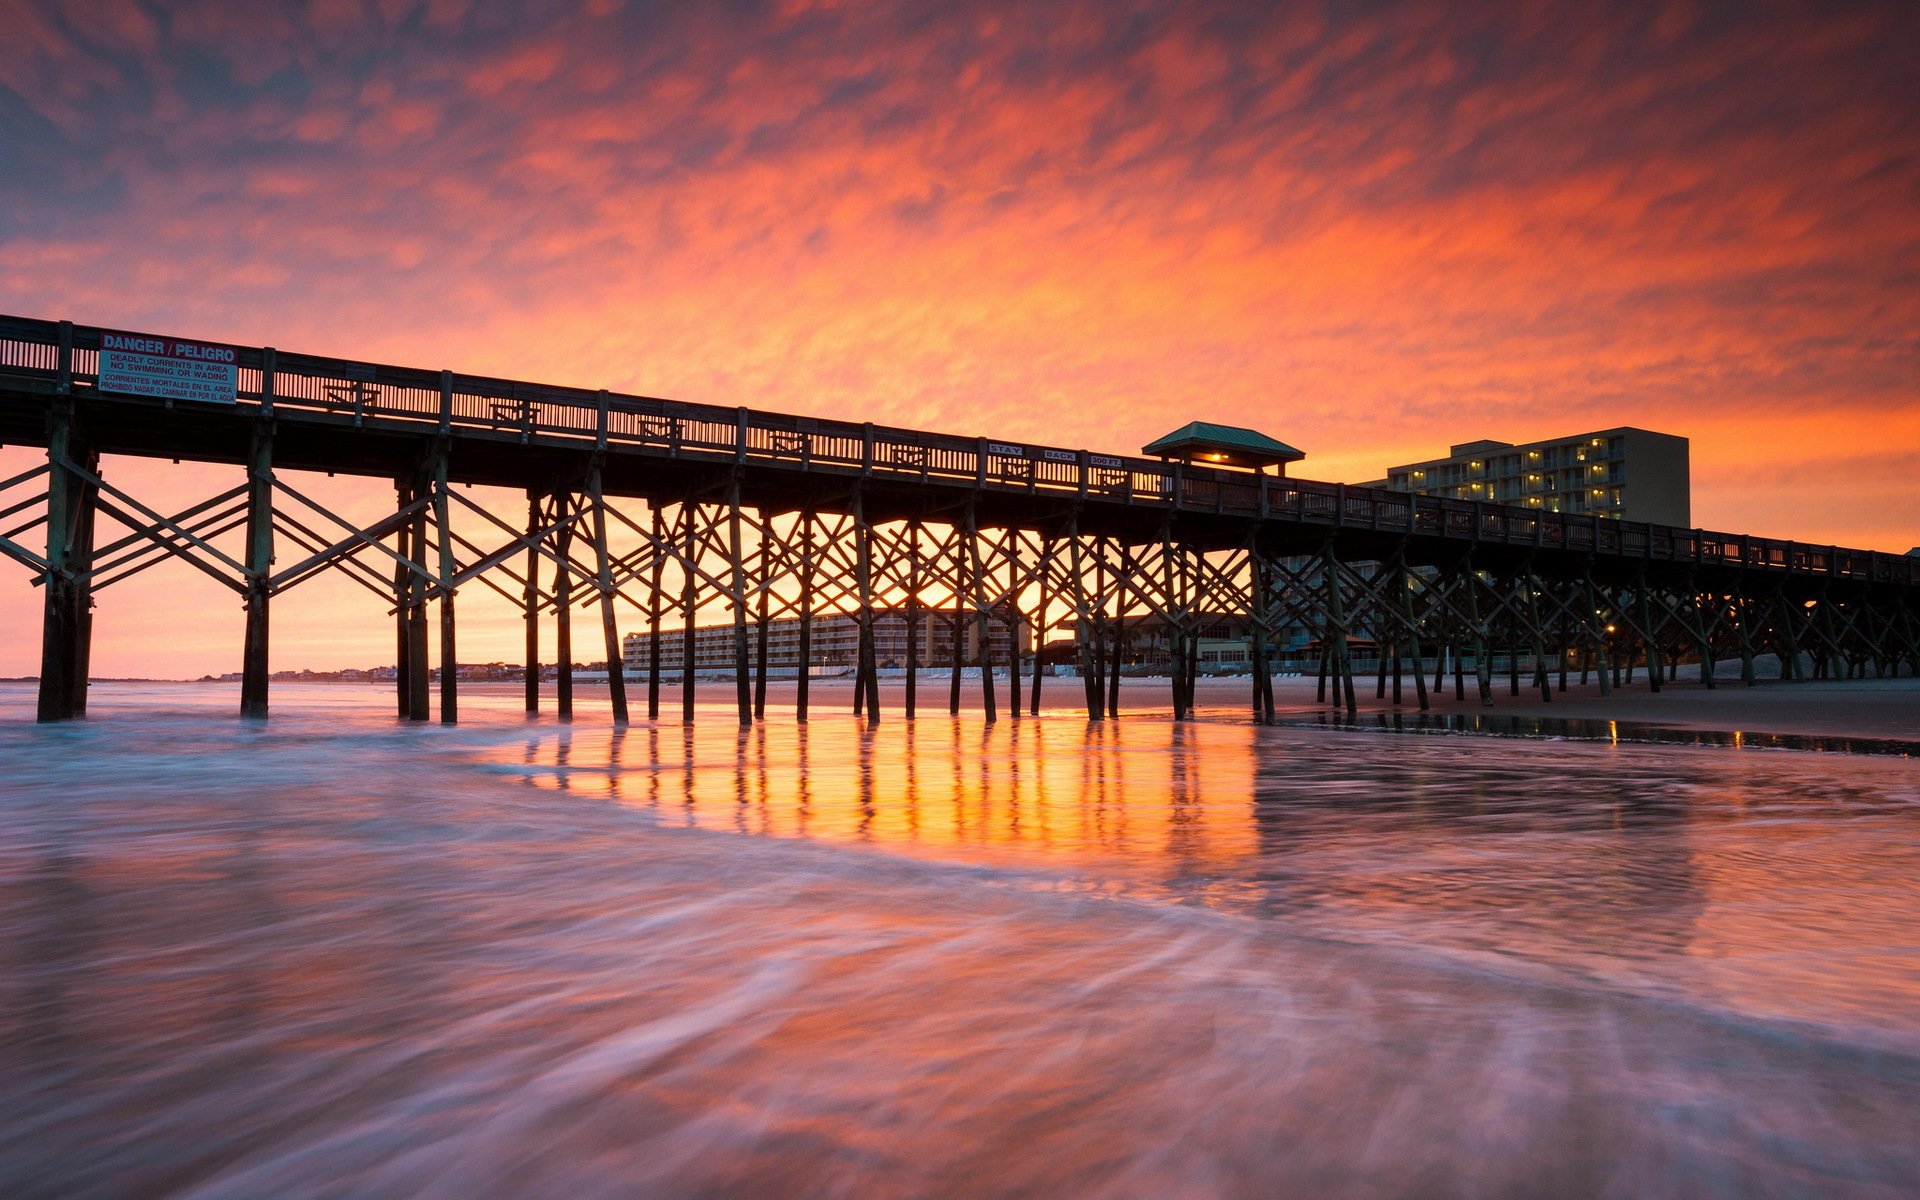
1368 230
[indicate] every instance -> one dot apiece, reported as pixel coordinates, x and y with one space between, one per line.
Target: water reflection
1611 860
1041 958
1590 729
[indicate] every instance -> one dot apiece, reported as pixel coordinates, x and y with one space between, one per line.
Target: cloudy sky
1368 229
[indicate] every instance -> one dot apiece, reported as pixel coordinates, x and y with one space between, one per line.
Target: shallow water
334 955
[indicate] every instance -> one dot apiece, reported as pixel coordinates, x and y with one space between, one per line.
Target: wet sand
1863 708
1869 708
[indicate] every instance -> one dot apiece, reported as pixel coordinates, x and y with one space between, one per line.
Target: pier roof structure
1227 445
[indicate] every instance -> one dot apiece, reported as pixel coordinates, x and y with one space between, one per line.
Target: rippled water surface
334 955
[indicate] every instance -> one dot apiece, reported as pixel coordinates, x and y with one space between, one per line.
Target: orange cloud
1371 234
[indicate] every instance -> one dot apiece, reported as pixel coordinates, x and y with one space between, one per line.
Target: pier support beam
913 616
866 675
983 621
449 652
805 654
689 603
253 657
417 670
66 624
653 611
563 606
609 629
742 681
531 601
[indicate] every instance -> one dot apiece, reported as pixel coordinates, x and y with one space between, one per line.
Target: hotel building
1625 473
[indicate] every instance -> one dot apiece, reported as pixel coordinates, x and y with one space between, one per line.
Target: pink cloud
1372 236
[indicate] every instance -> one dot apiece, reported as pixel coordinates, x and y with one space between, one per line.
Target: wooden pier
770 515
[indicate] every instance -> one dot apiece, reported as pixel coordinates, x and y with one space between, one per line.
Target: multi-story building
1626 473
835 642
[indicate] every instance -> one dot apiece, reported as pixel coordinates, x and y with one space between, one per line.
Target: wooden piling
254 669
530 602
762 618
1482 663
913 617
689 605
603 580
1337 624
1010 544
737 580
866 671
654 605
1084 634
806 615
983 623
1413 634
563 606
60 626
402 658
449 656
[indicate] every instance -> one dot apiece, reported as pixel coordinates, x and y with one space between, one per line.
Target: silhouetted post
531 602
1176 635
402 641
1084 632
1337 615
762 618
653 612
60 628
259 557
742 683
913 615
1111 656
1513 643
806 615
1655 665
409 593
563 517
603 571
1482 666
86 504
689 605
983 625
957 626
449 656
418 676
1413 634
1011 547
1040 627
1539 633
1599 636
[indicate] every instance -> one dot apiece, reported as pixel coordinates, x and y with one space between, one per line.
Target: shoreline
1859 708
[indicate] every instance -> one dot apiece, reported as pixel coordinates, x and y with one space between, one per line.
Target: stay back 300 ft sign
141 365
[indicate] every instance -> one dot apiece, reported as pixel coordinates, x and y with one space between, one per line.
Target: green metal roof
1238 445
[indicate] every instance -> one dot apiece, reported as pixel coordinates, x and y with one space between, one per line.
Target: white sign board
140 365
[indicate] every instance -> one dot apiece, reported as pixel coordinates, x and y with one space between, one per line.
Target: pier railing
399 399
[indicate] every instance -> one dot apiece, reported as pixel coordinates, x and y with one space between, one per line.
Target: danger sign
168 368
